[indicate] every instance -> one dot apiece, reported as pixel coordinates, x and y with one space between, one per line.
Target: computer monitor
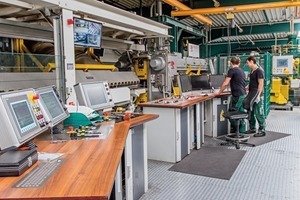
87 33
21 118
95 95
200 82
216 81
52 104
185 83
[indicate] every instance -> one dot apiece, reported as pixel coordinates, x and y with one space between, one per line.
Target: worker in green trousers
237 80
257 114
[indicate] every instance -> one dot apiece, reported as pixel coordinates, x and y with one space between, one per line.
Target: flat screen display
281 63
87 33
24 117
52 104
95 94
185 82
216 81
200 82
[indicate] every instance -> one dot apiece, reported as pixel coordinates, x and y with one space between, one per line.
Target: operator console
24 114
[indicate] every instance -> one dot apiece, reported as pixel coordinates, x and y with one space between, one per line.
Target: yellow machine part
176 91
190 73
279 92
296 64
142 98
141 68
84 67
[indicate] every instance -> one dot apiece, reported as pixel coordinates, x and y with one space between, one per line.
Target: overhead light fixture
216 3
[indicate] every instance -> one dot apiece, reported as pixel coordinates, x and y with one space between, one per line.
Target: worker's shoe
260 133
251 131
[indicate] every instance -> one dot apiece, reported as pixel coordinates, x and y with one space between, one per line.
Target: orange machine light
35 97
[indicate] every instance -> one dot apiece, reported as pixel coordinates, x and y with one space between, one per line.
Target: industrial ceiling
250 25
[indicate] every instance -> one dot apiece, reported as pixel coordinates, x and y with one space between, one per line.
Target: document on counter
43 156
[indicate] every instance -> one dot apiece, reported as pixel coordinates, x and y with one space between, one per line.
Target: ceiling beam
234 9
16 3
254 29
183 7
105 13
210 3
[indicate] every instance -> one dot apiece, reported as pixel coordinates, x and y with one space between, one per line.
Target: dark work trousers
236 104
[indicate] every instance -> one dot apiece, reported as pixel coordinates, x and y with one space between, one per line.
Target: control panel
38 114
282 64
108 93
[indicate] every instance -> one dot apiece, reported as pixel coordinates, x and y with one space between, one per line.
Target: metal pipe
232 9
151 8
141 7
159 8
183 7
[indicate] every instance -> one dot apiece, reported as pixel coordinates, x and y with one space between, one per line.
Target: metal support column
69 57
59 60
174 43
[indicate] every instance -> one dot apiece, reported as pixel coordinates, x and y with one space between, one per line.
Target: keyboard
39 174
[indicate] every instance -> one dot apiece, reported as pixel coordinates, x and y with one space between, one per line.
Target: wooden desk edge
115 138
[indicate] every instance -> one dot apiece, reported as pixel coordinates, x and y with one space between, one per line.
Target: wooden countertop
182 103
87 172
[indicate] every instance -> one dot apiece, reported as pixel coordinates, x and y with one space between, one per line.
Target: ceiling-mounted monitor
52 104
87 33
95 95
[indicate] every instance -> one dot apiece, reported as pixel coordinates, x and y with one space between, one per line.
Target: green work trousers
236 103
258 114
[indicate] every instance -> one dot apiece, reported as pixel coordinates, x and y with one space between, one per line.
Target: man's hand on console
217 93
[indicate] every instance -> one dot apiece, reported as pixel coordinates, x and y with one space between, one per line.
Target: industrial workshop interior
150 99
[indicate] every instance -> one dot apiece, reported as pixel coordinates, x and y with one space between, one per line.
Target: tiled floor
269 171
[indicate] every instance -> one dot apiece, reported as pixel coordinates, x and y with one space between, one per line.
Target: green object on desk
80 119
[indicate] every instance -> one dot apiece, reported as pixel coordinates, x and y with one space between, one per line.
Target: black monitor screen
87 33
216 81
95 94
185 82
52 104
200 82
24 117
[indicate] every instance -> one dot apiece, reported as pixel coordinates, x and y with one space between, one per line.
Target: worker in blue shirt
256 82
237 80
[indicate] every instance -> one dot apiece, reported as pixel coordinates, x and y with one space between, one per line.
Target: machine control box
282 64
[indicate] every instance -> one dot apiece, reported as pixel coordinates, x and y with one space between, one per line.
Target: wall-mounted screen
95 95
282 63
54 108
200 82
87 33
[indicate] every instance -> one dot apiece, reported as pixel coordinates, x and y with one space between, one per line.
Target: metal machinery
285 82
42 54
282 69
